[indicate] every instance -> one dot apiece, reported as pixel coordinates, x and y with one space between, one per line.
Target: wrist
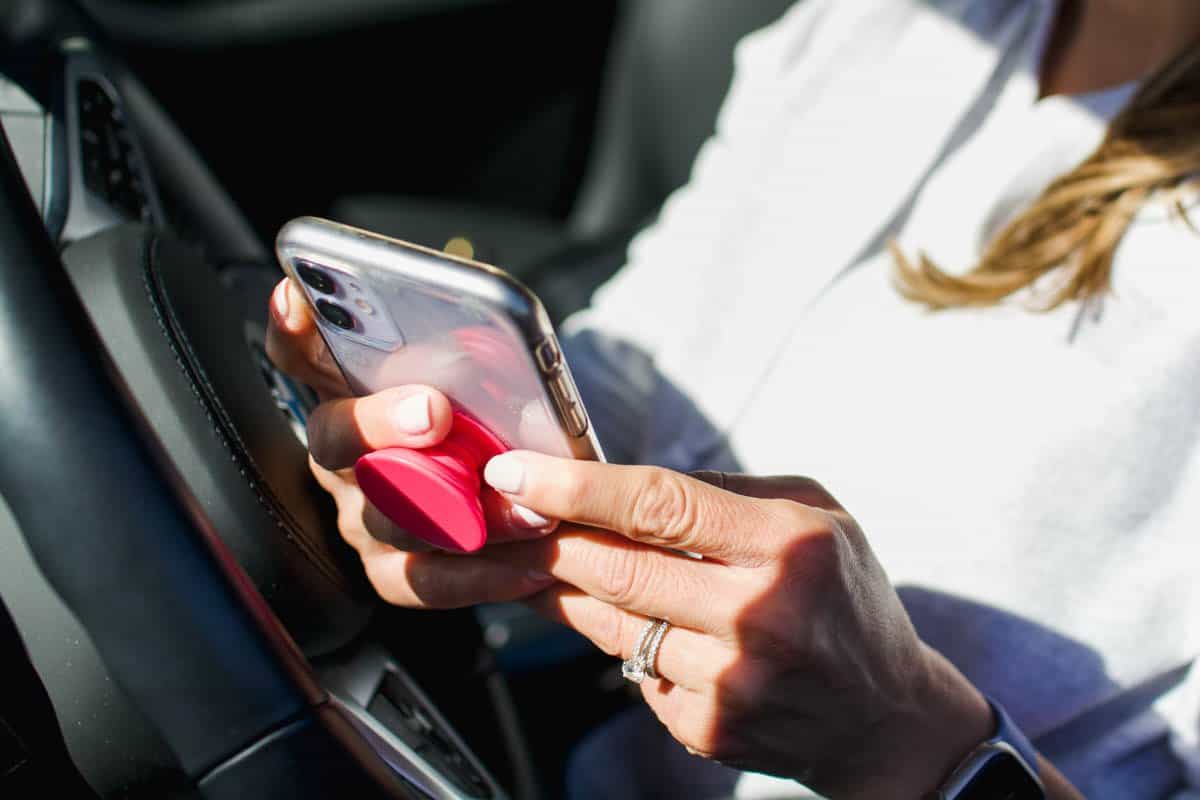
947 719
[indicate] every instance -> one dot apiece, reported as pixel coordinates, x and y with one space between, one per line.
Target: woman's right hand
404 570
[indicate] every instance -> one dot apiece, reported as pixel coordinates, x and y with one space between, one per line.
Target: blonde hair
1071 232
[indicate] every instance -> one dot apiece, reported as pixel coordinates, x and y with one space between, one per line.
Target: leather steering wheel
169 504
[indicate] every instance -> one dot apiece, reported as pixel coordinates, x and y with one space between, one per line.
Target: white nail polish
505 473
411 414
528 518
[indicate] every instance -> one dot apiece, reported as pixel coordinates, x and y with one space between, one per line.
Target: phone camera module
336 314
316 278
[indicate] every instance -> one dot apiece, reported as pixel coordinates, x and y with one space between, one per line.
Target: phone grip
434 493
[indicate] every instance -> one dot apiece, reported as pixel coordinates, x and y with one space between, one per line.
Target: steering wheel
162 492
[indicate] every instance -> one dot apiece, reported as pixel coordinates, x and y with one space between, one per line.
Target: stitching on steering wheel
221 424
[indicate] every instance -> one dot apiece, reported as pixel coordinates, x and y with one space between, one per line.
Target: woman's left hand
789 651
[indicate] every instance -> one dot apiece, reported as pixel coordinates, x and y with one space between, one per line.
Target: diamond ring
640 665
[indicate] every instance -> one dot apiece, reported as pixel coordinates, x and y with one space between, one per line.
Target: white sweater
1031 482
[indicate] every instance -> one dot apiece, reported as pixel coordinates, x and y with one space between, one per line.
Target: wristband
1003 766
1008 733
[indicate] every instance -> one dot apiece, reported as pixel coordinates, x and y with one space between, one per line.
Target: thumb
772 487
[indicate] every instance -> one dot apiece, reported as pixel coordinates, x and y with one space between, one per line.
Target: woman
1023 462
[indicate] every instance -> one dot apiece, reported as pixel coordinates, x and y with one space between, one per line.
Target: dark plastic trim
105 528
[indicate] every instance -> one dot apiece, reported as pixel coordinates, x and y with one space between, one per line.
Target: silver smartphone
395 313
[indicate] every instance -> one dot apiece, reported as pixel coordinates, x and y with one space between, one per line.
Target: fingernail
280 300
528 518
411 414
505 473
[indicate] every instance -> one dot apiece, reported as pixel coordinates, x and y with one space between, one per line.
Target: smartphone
395 313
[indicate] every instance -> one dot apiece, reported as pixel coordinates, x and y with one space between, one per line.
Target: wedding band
652 648
640 664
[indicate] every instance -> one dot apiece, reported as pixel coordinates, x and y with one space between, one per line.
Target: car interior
180 617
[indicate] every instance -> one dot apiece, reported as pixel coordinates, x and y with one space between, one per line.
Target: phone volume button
577 422
559 390
566 399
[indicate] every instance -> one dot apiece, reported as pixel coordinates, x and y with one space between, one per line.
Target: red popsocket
434 493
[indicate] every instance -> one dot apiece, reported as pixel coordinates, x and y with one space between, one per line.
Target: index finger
648 504
295 345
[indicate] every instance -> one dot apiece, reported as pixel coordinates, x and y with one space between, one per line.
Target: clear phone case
394 313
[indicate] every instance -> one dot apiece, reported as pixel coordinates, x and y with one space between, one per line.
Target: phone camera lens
336 314
315 278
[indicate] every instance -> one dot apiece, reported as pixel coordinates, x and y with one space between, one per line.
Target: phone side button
547 356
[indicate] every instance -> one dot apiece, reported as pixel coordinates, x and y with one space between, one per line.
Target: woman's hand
405 571
789 651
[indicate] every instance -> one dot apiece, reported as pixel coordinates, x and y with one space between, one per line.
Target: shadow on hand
1056 688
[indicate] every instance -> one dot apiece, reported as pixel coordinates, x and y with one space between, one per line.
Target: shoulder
816 33
822 47
820 27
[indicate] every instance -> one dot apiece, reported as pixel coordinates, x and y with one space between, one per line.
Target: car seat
668 69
